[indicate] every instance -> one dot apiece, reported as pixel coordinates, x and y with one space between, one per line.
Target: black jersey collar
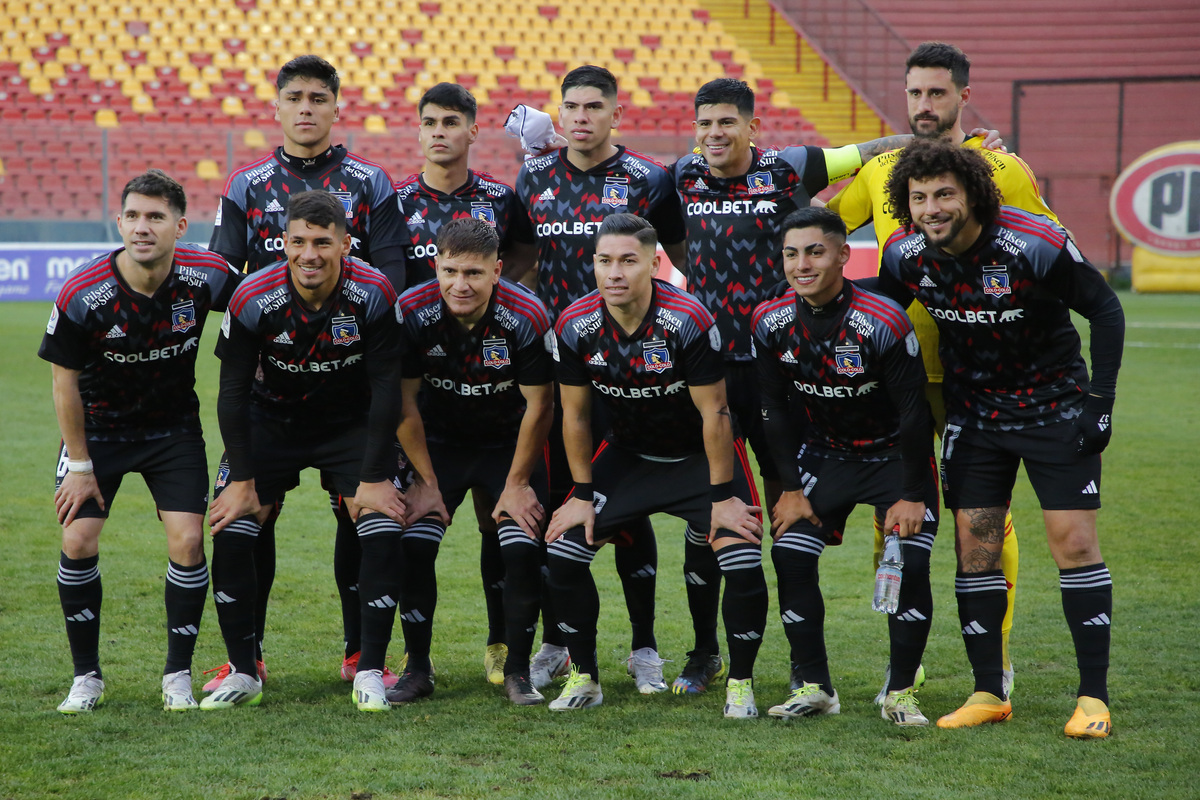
316 164
830 309
469 182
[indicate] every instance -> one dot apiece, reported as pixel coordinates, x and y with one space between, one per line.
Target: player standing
478 396
650 353
309 355
250 231
851 360
1001 284
122 338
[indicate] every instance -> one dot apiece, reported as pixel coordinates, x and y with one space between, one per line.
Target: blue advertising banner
38 271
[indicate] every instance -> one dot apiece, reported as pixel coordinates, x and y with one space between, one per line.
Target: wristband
584 491
720 492
83 467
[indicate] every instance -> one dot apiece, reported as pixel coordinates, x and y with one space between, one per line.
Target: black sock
982 601
522 588
637 565
1087 604
235 591
702 575
492 572
576 598
551 633
80 593
908 628
378 585
418 591
347 556
744 607
185 594
264 571
802 607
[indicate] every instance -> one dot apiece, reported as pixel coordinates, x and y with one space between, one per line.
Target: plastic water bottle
887 577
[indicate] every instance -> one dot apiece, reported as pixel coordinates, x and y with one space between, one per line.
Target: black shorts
175 469
741 394
629 487
835 487
460 469
979 468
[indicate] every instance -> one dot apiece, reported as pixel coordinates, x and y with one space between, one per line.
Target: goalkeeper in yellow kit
937 78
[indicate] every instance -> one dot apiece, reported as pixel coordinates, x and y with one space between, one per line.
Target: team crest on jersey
345 330
760 182
616 192
347 200
183 316
495 353
484 213
995 280
849 361
222 476
656 356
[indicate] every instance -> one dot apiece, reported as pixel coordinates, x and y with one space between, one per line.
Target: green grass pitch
307 740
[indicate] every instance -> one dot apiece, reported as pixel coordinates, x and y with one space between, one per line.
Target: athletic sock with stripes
264 570
80 593
492 573
347 556
378 585
908 628
802 607
418 591
637 566
575 597
982 601
744 607
702 575
235 591
1087 604
185 593
522 565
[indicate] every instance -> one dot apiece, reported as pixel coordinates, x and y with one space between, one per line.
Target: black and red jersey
137 354
1011 353
734 254
565 206
845 364
251 220
643 378
426 210
470 395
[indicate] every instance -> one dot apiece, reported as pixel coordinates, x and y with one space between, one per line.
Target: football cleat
521 691
368 693
87 693
809 700
645 667
1091 720
739 699
981 708
177 691
700 670
223 673
551 661
901 708
580 692
918 682
350 669
237 689
493 662
411 686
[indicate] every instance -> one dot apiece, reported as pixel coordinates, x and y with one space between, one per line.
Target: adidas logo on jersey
273 207
435 351
597 360
282 338
1090 488
546 196
115 332
1102 619
973 628
925 281
787 357
700 185
416 219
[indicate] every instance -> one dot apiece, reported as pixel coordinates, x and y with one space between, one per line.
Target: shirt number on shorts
952 432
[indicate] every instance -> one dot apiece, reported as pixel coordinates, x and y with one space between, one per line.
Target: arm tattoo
869 150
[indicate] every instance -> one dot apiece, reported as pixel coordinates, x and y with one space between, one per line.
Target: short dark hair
451 96
939 54
727 90
468 237
814 217
310 66
156 183
318 207
925 159
593 76
629 225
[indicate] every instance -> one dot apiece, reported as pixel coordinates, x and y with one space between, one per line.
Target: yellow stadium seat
198 90
188 73
780 99
106 118
265 92
254 138
142 104
207 170
130 88
374 124
39 86
144 73
232 106
97 71
29 69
